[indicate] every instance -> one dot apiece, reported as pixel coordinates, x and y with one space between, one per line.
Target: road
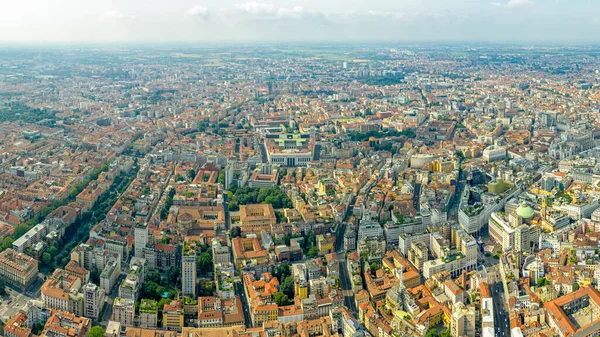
417 197
501 317
344 277
16 300
239 291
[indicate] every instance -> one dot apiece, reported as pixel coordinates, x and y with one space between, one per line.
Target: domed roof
185 217
525 211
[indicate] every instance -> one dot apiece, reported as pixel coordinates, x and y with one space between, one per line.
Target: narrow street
344 277
239 291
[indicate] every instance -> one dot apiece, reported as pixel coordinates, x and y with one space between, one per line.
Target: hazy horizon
307 21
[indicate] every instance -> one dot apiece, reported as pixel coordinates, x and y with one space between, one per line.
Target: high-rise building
123 311
141 238
93 297
463 320
188 269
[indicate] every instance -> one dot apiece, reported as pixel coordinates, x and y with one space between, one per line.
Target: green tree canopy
2 287
432 333
7 243
205 261
281 299
46 258
96 331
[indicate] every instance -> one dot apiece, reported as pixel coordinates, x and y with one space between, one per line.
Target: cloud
199 11
116 15
519 3
264 11
257 8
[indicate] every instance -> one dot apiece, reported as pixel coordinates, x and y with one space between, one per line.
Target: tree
541 281
192 174
233 206
20 230
374 266
576 287
154 277
2 287
281 299
53 251
162 302
287 286
7 243
149 290
282 270
445 333
207 288
236 232
95 275
46 258
37 329
96 331
312 251
432 333
173 275
205 261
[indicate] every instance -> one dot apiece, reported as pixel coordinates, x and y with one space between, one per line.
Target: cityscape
300 190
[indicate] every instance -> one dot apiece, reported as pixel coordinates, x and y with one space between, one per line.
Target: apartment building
18 269
17 326
109 275
140 239
188 269
66 324
464 320
173 316
148 314
123 311
221 253
93 296
61 292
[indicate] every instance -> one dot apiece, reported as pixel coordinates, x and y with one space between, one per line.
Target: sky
105 21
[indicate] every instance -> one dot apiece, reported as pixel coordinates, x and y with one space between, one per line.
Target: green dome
525 211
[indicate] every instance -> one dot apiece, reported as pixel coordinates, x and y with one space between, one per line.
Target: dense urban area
317 190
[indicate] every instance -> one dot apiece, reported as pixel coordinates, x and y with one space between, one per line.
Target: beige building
221 253
61 292
148 314
93 297
123 311
254 218
18 269
463 320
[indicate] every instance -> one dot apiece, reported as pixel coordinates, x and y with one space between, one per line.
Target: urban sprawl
266 191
